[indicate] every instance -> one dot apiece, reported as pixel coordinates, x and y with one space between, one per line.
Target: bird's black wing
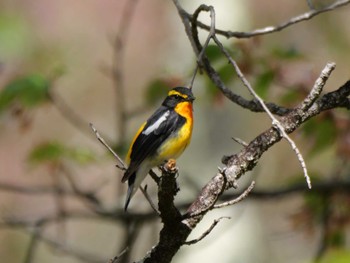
157 129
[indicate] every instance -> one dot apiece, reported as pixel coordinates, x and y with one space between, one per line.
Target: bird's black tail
131 182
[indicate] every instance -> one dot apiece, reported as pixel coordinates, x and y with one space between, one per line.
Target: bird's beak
191 98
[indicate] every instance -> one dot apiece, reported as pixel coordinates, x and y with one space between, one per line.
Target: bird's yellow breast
177 143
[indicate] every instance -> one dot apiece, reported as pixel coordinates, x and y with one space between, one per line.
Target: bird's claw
170 166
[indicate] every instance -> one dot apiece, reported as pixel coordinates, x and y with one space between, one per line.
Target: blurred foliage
316 203
14 35
213 53
329 209
335 256
156 90
291 96
29 91
263 83
286 53
55 152
121 148
321 132
252 64
223 68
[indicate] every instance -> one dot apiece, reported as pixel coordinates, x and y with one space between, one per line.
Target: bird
164 136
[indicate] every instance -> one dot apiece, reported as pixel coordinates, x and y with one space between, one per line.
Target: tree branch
176 229
174 233
238 164
240 198
272 29
207 232
252 105
210 35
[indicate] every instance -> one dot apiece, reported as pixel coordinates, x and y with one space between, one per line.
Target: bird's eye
178 97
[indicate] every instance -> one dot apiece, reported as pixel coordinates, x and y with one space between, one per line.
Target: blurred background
54 174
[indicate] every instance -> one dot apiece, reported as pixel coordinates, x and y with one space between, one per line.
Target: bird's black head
177 95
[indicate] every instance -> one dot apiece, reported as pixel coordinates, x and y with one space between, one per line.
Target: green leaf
29 91
263 83
49 151
81 155
56 152
213 53
156 91
226 73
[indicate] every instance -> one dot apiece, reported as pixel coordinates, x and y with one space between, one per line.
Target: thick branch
174 233
248 157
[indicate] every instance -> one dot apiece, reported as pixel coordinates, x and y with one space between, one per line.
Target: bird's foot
169 166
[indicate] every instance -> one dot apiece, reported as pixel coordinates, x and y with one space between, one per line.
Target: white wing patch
156 125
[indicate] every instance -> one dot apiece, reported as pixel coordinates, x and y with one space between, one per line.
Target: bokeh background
72 44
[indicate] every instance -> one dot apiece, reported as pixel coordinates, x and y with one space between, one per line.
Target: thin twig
192 34
98 136
116 258
240 141
207 232
271 29
149 199
318 86
210 35
239 198
275 121
199 211
124 167
68 113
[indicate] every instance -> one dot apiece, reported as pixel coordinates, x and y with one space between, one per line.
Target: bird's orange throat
185 109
